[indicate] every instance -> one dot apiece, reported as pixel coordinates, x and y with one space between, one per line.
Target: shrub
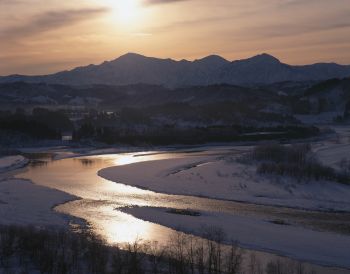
278 153
34 250
295 161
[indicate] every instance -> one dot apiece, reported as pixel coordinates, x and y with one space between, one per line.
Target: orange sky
45 36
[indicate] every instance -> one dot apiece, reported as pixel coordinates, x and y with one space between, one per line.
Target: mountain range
133 68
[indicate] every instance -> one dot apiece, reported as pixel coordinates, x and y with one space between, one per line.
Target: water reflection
39 155
129 159
86 162
115 226
102 198
38 163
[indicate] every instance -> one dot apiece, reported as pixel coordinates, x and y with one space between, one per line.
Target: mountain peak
131 55
264 58
213 60
212 57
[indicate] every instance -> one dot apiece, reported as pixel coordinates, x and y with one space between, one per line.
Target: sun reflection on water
124 160
115 226
126 229
101 198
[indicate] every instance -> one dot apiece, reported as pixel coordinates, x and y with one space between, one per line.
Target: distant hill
133 68
114 97
332 95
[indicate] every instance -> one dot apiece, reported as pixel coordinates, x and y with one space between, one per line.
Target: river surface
98 199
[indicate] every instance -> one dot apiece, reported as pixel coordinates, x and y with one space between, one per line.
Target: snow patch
229 180
12 162
317 247
23 203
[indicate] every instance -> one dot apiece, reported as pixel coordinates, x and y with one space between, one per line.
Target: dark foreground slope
32 250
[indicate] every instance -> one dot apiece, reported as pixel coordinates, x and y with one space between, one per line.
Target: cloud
50 20
186 23
155 2
9 3
297 2
337 21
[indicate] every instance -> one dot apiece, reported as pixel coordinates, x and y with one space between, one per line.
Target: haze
41 37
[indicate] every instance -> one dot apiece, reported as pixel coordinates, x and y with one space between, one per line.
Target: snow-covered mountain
133 68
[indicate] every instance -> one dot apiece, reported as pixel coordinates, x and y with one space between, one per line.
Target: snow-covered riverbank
24 203
322 248
12 162
227 179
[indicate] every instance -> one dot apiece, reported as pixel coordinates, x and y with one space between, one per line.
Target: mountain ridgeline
133 68
140 100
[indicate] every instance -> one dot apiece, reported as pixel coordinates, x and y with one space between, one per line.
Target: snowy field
225 178
321 248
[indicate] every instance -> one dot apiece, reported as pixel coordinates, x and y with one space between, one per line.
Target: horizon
42 39
173 59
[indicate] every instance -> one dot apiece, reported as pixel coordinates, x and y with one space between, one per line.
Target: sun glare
125 10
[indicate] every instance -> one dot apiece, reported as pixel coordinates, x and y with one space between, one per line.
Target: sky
46 36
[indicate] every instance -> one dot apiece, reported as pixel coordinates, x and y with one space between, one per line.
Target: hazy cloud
49 21
185 23
154 2
337 21
11 2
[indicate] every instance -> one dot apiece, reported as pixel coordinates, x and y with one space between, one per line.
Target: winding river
98 199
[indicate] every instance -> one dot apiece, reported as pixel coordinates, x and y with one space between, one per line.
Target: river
98 199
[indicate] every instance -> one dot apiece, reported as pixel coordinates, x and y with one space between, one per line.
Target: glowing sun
126 10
